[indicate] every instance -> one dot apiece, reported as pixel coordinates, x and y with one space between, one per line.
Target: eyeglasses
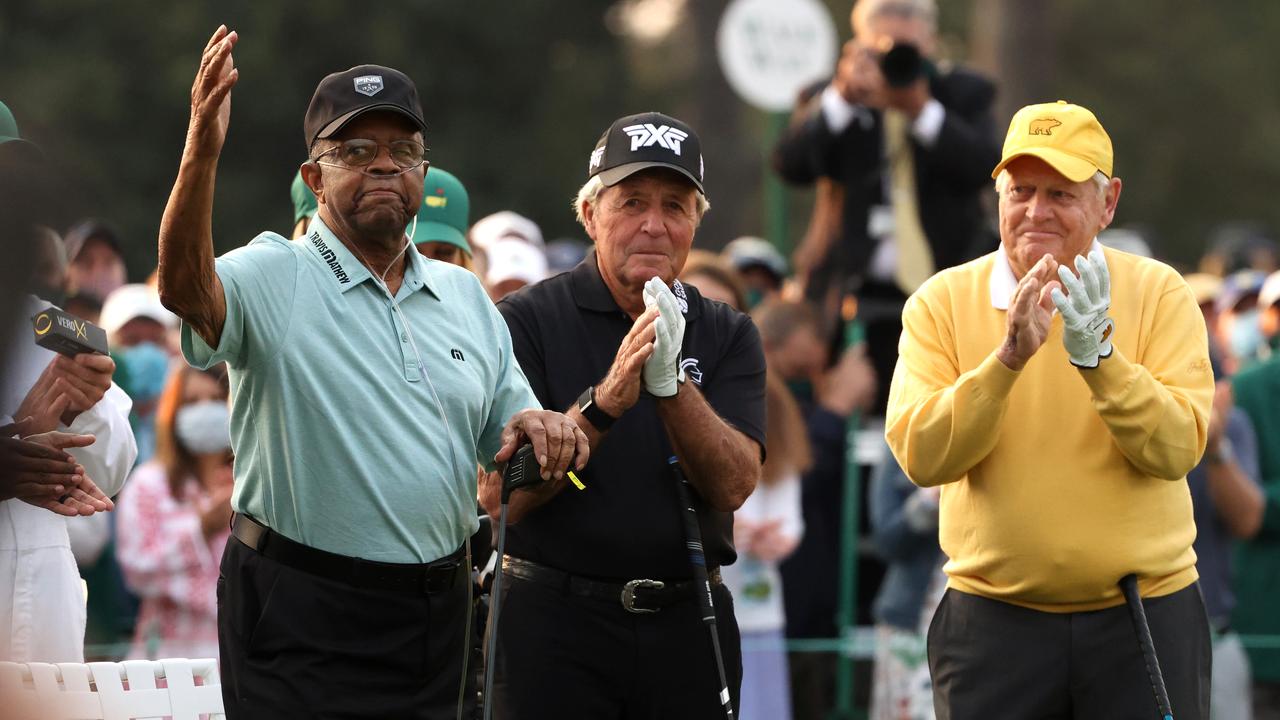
358 152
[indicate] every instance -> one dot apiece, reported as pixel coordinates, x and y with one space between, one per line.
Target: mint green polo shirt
342 441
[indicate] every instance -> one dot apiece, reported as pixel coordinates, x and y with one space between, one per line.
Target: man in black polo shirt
648 368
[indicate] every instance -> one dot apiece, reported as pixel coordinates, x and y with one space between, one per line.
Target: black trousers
990 659
296 645
563 656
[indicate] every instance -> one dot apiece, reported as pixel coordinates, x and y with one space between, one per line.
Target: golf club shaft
1129 586
495 604
697 558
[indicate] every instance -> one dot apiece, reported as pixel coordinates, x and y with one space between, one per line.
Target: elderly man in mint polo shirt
367 384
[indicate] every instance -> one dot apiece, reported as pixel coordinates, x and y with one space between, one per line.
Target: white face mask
204 427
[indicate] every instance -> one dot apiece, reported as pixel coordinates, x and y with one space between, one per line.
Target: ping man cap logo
1067 137
369 84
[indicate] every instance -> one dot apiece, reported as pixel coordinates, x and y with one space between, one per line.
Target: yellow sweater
1057 481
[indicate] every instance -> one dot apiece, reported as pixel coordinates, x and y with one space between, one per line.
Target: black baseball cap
343 96
647 140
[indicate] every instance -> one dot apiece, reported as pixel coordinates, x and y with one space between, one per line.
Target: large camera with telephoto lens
902 65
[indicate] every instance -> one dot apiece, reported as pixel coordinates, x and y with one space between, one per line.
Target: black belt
637 596
426 578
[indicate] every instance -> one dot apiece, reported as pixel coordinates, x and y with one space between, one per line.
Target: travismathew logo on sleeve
330 258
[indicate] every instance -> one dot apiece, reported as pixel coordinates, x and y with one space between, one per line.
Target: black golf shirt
627 524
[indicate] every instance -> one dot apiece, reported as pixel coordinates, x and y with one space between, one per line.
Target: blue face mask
1246 336
147 369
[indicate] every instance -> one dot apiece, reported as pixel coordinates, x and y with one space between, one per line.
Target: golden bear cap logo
1043 126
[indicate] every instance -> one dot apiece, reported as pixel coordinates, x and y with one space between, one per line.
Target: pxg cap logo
646 134
369 85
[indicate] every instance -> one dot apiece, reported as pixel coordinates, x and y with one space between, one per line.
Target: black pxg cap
343 96
647 140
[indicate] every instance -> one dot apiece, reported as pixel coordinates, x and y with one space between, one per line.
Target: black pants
562 656
295 645
990 659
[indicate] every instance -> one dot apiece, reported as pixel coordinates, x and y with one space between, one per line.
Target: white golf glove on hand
662 371
1086 327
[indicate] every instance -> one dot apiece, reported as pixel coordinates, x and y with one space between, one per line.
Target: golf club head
522 471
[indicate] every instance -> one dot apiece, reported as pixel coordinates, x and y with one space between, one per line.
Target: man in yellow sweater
1059 392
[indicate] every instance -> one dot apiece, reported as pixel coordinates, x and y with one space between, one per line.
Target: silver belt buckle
629 595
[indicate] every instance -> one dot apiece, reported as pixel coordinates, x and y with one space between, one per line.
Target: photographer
912 143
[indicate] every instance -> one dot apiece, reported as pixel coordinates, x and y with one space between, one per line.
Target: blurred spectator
1206 289
913 150
799 356
1268 313
138 328
97 261
505 225
49 277
513 264
1257 576
1126 240
564 255
175 517
766 530
304 205
715 278
440 231
1240 246
1239 331
904 531
760 265
1228 504
769 525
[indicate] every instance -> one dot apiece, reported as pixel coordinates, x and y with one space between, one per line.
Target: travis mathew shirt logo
330 258
645 134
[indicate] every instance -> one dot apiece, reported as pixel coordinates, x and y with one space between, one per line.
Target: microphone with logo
67 334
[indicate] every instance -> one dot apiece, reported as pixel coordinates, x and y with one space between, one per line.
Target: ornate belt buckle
629 595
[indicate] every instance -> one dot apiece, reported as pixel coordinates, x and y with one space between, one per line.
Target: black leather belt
426 578
636 596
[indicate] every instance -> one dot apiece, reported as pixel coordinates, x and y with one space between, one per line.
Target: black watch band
600 419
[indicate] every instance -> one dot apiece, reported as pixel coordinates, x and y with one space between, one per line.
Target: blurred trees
517 93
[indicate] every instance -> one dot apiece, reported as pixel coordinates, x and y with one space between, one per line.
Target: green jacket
1257 566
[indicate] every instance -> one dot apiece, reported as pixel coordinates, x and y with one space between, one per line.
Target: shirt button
404 337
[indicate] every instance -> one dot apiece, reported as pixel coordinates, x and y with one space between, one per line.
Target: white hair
589 194
1100 181
866 10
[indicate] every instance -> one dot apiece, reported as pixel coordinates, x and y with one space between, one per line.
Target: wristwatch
1224 453
600 419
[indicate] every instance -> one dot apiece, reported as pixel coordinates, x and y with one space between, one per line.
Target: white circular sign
771 49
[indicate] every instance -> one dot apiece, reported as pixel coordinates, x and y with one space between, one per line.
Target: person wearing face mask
175 515
96 259
1257 578
1239 312
137 328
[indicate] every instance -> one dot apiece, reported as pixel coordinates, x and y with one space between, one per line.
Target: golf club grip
698 558
693 542
1129 586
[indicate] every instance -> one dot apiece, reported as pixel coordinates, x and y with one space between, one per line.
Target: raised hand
620 388
1030 314
211 95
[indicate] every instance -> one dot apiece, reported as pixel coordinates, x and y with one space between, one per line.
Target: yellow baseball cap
1066 136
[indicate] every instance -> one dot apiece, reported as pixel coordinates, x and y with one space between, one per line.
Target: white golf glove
662 371
1086 328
